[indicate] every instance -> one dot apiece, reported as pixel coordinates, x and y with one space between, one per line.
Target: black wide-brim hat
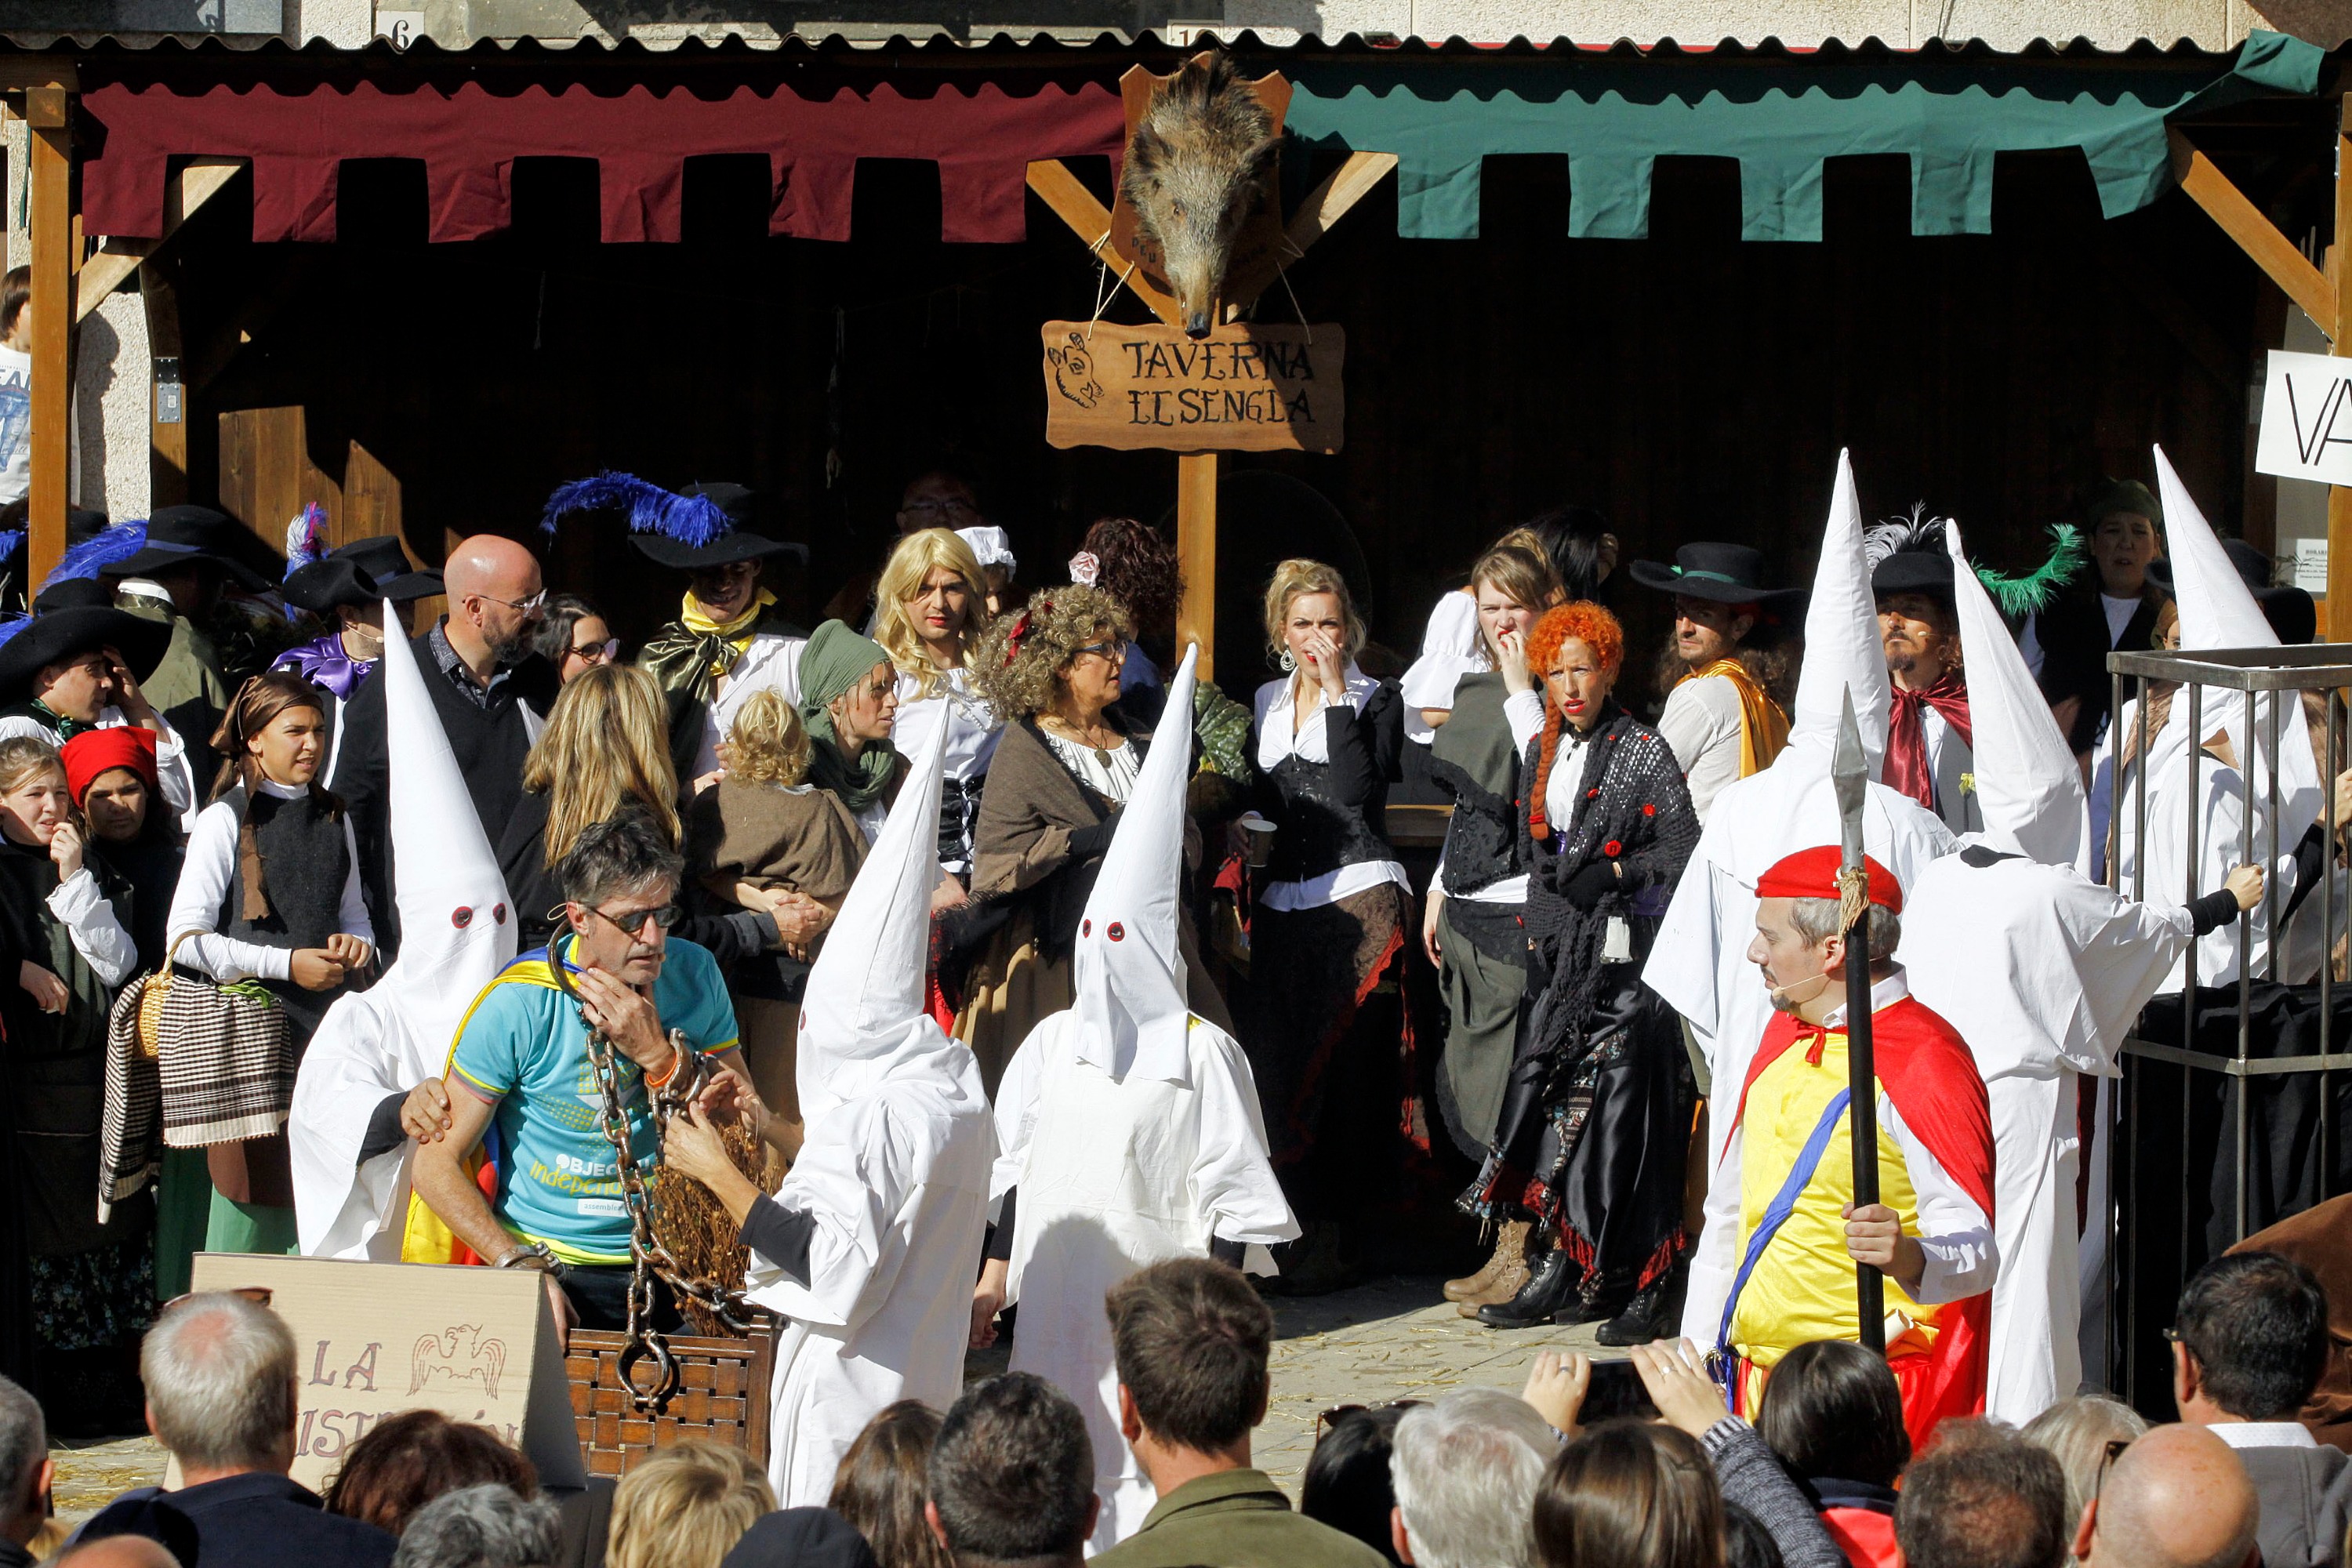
1914 572
322 586
1720 574
386 565
742 543
190 535
61 635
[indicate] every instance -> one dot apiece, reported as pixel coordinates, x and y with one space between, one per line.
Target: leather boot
1510 1246
1552 1279
1510 1277
1654 1312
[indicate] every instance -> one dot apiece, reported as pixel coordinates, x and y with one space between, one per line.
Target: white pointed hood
2028 784
863 1016
1132 1014
2218 610
457 931
1842 648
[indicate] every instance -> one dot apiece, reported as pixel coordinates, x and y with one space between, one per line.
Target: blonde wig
22 756
1020 659
767 743
606 745
1291 578
687 1506
911 562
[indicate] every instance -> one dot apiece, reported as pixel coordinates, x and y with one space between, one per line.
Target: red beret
94 751
1812 874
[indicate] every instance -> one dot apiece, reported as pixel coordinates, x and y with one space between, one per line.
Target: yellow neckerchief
736 634
1763 728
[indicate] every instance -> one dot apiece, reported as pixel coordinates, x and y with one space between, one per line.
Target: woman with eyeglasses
1325 1009
573 636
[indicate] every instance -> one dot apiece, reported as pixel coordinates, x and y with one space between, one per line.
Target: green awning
1615 115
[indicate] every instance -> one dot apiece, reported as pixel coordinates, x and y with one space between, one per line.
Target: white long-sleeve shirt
204 879
1702 724
1449 649
97 931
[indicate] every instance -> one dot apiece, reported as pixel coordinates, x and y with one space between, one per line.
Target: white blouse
770 663
1449 649
1110 774
957 710
1279 736
205 877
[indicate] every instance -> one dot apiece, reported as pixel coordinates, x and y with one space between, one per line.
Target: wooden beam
1327 203
1196 553
50 219
20 72
2255 234
102 274
1090 221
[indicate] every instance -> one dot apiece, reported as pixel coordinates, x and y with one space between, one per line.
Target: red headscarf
95 752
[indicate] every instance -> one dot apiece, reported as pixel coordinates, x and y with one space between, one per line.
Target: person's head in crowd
407 1460
275 731
2248 1339
1135 563
766 743
2176 1498
885 1479
992 548
1745 1542
1513 585
1347 1485
573 636
112 778
850 701
15 324
1059 656
486 1526
620 888
34 802
1628 1494
1982 1498
2125 525
1799 943
496 598
26 1469
1576 650
117 1552
801 1538
685 1507
1833 1410
1013 1477
1190 1338
937 498
1576 539
606 746
1465 1469
927 605
1310 618
78 685
1921 632
221 1390
2077 1432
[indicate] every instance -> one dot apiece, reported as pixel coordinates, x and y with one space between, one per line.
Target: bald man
492 694
2176 1498
119 1551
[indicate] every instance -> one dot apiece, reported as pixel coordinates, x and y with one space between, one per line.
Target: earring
1289 661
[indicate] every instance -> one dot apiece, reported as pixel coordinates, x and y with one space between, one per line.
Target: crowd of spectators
1626 1465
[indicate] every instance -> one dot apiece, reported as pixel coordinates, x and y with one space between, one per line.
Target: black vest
1473 760
305 860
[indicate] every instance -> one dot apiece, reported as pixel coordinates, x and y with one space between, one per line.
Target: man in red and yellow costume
1775 1261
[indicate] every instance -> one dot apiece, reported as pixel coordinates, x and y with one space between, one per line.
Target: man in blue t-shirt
520 1062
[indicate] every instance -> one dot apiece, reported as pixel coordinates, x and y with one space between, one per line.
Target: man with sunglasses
521 1061
490 691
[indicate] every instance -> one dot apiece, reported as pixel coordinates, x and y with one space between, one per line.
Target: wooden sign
374 1339
1244 388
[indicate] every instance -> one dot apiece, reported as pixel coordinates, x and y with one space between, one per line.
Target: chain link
648 1253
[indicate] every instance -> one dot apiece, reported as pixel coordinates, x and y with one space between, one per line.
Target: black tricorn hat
185 535
1724 573
742 541
60 635
1907 556
701 526
364 571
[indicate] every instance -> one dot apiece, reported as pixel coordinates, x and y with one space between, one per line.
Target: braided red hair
1597 629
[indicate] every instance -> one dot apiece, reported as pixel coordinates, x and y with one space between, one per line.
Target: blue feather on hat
99 551
12 626
9 543
692 521
306 538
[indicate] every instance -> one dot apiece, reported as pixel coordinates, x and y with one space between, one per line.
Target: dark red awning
981 136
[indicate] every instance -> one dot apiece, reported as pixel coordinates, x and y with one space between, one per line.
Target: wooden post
50 219
1196 550
2337 611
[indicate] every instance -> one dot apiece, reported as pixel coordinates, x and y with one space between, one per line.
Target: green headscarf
835 660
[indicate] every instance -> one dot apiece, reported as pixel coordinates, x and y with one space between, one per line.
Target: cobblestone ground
1394 1338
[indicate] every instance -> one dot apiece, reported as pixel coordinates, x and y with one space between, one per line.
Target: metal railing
2268 681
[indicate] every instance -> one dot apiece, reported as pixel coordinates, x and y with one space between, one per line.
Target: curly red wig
1584 620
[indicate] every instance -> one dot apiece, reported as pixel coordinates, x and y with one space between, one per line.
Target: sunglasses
603 652
1338 1413
633 922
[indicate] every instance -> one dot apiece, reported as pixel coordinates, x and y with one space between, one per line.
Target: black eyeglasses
633 922
596 652
1110 651
2115 1446
1338 1413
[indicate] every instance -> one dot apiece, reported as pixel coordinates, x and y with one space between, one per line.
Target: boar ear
1263 157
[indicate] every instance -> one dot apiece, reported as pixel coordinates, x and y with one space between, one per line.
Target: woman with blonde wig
686 1507
1325 1009
929 606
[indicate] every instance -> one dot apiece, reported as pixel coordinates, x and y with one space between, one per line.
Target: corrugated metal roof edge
942 47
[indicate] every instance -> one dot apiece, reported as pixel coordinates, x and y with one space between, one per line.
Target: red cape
1927 1072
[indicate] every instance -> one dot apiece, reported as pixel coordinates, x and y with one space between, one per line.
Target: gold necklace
1076 736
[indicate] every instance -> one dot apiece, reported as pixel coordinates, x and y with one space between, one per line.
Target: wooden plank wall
1689 386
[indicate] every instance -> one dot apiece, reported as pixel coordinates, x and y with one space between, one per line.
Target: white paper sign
2307 418
2311 565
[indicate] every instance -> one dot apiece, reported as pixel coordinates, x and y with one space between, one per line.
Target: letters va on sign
2306 418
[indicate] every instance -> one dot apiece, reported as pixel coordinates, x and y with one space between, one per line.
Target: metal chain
647 1255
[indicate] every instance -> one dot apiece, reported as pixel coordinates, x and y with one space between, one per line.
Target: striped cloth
228 1063
130 1125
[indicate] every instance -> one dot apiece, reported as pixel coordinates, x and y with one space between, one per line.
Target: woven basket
722 1397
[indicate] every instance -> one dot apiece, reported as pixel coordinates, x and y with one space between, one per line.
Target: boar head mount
1198 164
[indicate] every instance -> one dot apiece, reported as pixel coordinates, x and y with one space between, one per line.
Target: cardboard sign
374 1339
2306 418
1244 388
